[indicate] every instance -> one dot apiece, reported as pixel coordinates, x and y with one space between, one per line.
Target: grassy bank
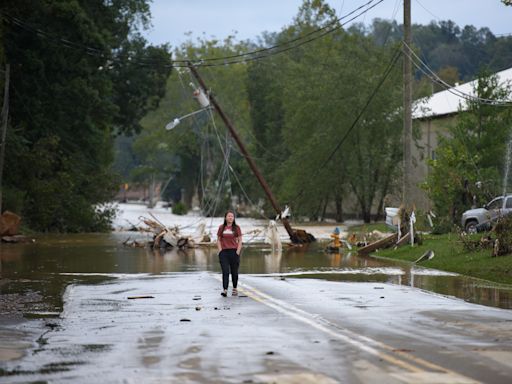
450 256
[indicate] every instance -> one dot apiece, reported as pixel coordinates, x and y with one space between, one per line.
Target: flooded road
64 309
47 266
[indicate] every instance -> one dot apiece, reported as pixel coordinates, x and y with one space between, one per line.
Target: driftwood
133 243
383 243
17 239
164 236
404 240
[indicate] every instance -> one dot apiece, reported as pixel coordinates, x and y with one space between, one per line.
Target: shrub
179 208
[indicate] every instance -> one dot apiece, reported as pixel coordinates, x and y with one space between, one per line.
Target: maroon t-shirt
229 238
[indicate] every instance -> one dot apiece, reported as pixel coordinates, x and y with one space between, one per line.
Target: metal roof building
447 102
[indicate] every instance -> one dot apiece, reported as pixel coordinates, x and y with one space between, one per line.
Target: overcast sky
249 18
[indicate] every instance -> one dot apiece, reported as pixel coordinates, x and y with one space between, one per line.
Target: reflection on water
54 261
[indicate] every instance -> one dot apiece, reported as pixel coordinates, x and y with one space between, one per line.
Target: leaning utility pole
5 115
244 152
407 185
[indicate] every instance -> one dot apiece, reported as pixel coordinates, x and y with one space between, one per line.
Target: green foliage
470 161
68 102
444 44
292 109
190 153
179 208
451 256
503 231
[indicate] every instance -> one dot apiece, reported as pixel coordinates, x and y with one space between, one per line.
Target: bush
12 200
442 225
179 208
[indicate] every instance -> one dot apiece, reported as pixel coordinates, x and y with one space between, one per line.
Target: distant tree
474 151
80 77
191 152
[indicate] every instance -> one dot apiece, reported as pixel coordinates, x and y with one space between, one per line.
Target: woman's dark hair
225 224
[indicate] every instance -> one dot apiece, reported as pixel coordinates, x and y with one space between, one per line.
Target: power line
226 60
427 71
386 73
333 23
200 62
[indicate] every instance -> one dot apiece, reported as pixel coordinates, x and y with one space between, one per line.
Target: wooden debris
17 239
383 243
404 240
164 237
426 256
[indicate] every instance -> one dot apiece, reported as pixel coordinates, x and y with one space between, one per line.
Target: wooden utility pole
5 115
244 152
407 185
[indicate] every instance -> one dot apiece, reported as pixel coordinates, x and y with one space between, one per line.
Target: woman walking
229 243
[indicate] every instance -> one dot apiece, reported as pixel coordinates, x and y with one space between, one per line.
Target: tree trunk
324 210
339 208
367 216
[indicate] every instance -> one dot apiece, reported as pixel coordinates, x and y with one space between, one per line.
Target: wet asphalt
176 328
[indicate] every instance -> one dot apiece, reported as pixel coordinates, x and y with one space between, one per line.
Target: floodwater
65 317
40 272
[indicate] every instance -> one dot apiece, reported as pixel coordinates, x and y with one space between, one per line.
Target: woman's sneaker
234 292
224 293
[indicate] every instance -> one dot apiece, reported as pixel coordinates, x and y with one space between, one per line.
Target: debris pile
167 237
498 238
503 243
10 227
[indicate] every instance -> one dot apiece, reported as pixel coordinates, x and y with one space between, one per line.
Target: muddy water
34 276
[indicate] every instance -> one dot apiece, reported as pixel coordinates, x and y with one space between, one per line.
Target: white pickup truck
481 218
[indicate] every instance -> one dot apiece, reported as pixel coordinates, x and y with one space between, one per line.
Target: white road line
361 342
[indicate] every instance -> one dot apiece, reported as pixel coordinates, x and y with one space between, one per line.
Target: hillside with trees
89 100
315 118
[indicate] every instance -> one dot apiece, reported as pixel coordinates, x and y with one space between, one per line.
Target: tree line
78 80
305 113
90 99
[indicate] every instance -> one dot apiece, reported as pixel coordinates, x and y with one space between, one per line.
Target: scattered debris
270 353
498 238
17 239
133 243
428 255
185 320
383 243
140 297
198 308
503 242
469 243
303 237
9 224
166 237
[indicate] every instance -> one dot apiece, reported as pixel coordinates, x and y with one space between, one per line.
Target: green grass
450 256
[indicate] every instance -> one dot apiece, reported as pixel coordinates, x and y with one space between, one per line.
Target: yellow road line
363 343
